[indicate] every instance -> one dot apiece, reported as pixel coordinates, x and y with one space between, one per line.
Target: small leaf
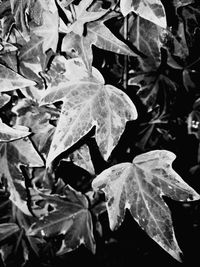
81 157
4 99
14 155
8 133
11 80
8 229
147 9
139 187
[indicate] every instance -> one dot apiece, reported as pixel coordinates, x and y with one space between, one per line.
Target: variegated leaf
88 103
139 187
152 10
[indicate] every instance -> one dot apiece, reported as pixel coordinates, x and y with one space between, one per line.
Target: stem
125 73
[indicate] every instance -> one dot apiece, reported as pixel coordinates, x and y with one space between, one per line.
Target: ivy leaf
150 84
20 10
147 9
11 80
32 51
181 3
36 118
8 133
97 34
139 187
83 16
48 31
147 37
14 155
68 215
8 229
87 102
81 157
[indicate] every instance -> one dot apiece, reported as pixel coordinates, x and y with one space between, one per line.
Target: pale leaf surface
139 187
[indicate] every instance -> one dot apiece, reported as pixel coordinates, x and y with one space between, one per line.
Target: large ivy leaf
65 214
14 155
147 9
11 80
139 187
97 34
87 102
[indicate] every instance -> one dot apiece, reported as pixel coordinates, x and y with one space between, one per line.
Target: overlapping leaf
8 229
66 214
97 34
48 31
36 118
139 187
81 157
8 133
14 155
11 80
152 10
4 99
83 16
87 102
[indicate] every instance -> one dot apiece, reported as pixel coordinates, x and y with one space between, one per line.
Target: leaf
4 99
14 155
150 86
81 157
181 3
191 18
11 80
8 229
87 102
32 51
150 10
8 134
147 38
48 31
83 16
97 34
139 187
20 10
37 119
68 215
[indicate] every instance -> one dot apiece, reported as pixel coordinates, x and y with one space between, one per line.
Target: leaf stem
125 73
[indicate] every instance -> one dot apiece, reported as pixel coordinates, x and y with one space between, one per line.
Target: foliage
95 99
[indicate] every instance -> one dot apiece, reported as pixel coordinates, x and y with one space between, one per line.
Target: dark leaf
8 229
66 214
14 155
